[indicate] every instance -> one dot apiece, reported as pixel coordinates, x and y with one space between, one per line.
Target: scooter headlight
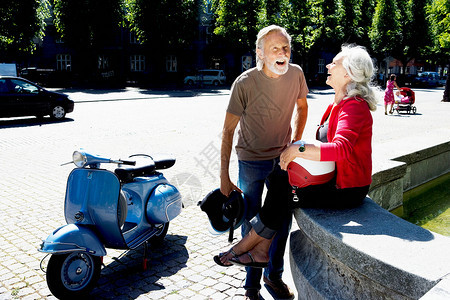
79 159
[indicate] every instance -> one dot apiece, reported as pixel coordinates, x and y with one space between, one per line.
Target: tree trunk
447 87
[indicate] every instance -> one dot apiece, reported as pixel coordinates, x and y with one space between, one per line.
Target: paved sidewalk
32 185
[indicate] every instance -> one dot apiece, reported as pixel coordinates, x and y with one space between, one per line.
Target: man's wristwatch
301 147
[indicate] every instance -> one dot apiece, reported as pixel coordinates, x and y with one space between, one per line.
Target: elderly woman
345 135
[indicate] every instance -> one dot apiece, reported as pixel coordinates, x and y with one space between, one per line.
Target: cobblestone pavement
118 123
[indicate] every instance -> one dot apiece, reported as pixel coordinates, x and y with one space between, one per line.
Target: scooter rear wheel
158 238
72 275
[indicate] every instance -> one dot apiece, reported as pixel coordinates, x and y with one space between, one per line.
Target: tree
87 26
438 12
21 22
165 23
331 30
273 9
169 26
349 16
303 23
88 23
238 21
364 23
414 28
385 32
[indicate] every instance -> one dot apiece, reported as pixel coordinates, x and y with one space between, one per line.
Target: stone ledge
365 253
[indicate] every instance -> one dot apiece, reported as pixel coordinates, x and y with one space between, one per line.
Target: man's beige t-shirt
265 106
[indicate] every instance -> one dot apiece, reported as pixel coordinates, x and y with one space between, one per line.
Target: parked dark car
427 79
20 97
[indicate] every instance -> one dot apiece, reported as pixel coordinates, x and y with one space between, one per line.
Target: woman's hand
288 155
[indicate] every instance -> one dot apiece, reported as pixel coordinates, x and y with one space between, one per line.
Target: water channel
428 205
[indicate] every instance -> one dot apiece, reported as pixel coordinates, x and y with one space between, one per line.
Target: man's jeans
252 178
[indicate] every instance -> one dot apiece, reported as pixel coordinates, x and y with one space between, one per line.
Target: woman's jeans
253 175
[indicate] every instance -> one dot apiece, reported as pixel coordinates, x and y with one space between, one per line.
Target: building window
171 63
103 62
321 67
133 38
137 63
63 62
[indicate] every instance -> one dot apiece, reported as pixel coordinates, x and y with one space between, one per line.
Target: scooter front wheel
72 275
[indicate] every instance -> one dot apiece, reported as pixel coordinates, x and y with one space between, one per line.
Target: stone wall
369 253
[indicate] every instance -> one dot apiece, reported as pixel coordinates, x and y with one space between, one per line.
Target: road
186 124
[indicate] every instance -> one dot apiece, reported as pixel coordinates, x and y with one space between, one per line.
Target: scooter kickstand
145 260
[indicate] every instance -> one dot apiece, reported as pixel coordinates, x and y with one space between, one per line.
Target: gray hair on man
260 41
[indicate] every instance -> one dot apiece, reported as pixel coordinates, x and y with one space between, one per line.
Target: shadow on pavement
125 277
30 121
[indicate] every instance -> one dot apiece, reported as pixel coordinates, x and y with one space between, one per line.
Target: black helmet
224 213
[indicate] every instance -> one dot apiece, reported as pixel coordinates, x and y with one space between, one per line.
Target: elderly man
262 102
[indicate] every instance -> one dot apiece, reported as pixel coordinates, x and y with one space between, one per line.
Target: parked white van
211 76
8 69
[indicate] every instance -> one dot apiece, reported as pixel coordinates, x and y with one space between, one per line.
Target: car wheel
190 82
58 112
215 83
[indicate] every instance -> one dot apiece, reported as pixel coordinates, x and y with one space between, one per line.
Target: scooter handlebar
128 162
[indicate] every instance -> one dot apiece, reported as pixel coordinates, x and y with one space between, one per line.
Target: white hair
359 66
261 39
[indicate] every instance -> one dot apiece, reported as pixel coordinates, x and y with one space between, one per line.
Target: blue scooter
120 209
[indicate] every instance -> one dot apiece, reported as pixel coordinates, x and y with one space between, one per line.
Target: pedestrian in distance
344 137
262 102
389 93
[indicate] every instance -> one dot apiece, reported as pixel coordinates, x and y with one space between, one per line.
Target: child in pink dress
389 94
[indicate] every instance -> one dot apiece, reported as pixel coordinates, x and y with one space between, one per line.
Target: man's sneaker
279 288
252 294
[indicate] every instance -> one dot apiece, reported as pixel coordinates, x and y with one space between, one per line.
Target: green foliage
166 23
439 16
385 33
304 24
415 29
87 23
239 21
400 29
331 25
21 22
364 23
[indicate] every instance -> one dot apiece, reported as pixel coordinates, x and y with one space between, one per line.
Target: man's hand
226 187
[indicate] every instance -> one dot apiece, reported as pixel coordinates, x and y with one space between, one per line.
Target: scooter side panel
164 204
72 237
137 193
140 194
94 194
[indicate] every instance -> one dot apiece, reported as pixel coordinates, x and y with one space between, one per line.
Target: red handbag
303 172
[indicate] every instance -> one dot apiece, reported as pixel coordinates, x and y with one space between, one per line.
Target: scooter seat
145 165
129 173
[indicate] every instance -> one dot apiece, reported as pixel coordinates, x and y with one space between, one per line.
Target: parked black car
427 79
20 97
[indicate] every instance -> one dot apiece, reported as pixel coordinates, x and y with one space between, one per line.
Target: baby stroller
405 101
